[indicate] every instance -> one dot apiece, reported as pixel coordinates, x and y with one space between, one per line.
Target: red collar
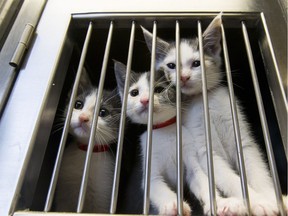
165 124
97 148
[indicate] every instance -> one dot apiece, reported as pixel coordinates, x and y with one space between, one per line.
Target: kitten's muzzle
144 101
83 118
184 78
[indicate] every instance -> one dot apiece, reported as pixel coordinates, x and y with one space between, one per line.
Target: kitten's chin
158 117
80 134
190 90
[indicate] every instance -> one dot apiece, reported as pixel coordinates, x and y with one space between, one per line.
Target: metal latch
22 45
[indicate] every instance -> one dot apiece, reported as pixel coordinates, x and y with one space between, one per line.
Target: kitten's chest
220 120
219 109
163 146
74 160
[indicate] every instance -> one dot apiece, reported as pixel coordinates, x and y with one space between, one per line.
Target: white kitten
163 167
101 171
226 169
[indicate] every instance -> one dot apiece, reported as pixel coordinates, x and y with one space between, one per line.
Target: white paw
206 209
263 207
231 206
285 201
171 209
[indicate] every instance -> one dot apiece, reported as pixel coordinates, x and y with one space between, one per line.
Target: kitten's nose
185 78
83 118
144 101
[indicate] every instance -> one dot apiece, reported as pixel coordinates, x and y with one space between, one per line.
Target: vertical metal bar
236 124
91 144
273 54
57 165
115 188
149 126
283 129
212 192
264 124
179 124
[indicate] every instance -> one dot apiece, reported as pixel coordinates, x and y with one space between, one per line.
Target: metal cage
251 72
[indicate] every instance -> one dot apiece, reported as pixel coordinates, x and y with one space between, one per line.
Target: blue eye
196 63
78 104
171 65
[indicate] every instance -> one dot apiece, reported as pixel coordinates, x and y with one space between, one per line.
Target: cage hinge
22 45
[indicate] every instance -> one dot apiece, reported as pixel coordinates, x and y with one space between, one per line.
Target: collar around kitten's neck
97 148
165 124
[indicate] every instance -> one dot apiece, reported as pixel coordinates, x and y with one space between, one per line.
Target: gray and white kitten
226 169
101 171
163 168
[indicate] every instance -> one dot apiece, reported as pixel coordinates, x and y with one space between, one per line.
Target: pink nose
185 78
144 101
83 118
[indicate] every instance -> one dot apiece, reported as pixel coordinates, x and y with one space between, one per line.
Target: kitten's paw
170 209
285 201
231 206
262 207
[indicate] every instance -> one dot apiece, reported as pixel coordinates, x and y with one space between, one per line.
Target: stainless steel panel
29 13
8 12
264 124
40 68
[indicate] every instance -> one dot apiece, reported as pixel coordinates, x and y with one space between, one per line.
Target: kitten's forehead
142 82
90 99
188 50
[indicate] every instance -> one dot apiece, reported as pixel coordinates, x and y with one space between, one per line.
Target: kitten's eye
171 65
196 64
158 89
78 104
134 92
103 112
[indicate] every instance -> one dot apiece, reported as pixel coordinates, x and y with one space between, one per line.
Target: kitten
101 171
163 162
260 187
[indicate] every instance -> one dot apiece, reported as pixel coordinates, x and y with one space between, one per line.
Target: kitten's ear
161 45
85 79
120 74
212 36
84 82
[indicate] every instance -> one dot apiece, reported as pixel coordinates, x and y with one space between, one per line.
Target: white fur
227 180
261 191
100 179
262 196
137 112
82 130
188 56
101 170
163 169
